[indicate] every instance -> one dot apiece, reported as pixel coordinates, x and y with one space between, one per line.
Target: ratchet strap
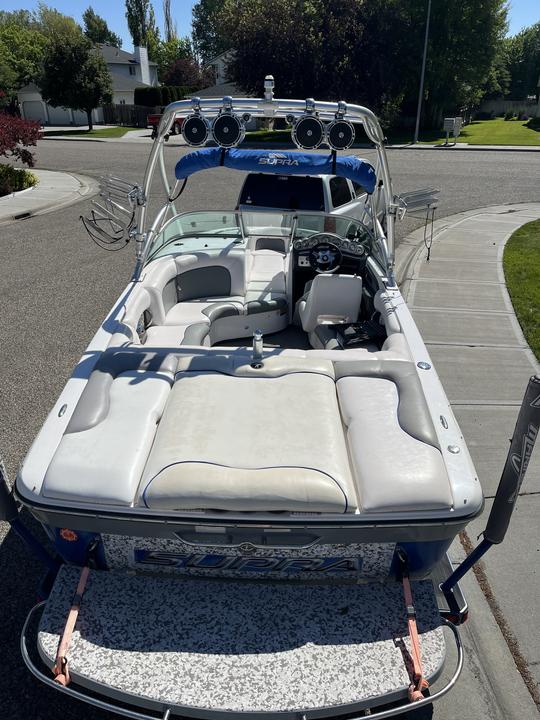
61 669
418 682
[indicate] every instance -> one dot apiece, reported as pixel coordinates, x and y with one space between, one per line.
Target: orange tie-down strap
60 669
418 683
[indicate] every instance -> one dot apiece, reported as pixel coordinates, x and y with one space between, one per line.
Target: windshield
199 231
285 192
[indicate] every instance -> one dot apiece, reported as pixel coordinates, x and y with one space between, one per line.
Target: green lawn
272 136
113 132
522 271
480 132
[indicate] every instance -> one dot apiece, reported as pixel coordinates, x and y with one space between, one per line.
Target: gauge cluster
350 247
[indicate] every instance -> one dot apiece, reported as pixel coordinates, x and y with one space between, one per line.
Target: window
358 189
132 70
284 192
340 192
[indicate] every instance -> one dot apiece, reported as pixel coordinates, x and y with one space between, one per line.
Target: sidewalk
462 308
464 146
141 136
54 190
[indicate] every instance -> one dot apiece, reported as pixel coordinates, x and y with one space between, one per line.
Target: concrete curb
465 147
45 197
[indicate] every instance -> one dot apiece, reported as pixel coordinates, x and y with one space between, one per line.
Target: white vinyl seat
331 298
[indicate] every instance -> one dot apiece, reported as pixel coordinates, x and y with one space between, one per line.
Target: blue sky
522 13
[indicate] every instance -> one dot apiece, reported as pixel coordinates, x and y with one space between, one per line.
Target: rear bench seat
299 434
201 299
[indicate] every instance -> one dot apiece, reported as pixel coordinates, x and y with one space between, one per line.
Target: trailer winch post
515 467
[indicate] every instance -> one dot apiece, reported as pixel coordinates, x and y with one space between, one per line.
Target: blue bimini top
280 163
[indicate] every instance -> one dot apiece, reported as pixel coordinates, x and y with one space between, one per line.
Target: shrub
508 115
534 123
484 116
16 136
148 96
165 95
12 180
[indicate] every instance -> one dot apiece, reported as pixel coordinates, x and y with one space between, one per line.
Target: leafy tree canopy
85 78
523 58
142 26
373 57
169 51
16 136
97 30
209 37
187 72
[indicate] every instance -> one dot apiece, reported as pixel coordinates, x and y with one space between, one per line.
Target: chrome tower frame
269 108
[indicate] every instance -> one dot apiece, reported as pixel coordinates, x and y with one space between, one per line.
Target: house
218 65
128 72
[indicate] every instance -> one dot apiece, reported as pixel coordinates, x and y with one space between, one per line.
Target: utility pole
421 91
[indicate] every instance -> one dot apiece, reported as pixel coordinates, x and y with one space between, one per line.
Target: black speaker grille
340 134
195 130
308 133
227 130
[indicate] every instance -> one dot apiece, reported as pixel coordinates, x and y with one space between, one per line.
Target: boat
253 477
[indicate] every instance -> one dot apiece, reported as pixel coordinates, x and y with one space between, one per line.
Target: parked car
153 120
315 193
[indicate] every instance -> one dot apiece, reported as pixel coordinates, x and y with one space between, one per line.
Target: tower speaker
195 130
308 132
228 130
340 134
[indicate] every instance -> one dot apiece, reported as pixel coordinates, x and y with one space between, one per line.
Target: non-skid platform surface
241 647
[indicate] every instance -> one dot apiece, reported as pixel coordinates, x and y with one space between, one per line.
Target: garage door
34 110
59 116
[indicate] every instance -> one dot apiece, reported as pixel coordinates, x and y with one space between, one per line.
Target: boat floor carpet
241 647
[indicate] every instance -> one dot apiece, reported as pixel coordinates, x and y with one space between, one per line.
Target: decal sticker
212 561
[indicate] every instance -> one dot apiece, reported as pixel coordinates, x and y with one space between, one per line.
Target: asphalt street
57 286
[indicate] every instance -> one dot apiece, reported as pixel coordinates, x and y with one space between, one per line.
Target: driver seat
330 299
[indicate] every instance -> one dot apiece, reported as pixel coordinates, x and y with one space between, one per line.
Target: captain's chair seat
330 298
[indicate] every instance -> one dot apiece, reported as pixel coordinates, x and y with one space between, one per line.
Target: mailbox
452 126
449 125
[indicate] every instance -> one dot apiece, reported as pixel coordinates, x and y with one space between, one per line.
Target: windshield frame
245 231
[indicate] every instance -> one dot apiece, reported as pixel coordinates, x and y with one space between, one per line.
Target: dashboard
327 252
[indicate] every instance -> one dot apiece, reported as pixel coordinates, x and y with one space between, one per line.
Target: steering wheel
325 256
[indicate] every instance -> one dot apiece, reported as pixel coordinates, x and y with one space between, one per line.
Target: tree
209 37
369 53
97 30
16 135
168 22
187 72
75 76
523 62
21 50
142 26
169 51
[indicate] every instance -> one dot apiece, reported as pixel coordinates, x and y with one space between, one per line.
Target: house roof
219 91
123 83
117 56
30 88
221 55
